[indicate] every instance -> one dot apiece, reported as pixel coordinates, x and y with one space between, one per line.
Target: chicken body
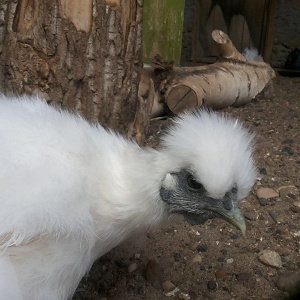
71 191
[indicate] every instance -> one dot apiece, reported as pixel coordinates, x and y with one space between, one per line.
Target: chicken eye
194 184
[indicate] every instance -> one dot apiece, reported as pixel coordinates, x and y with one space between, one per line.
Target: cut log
223 84
231 81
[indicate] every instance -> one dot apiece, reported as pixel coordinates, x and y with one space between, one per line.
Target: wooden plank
268 42
249 24
162 29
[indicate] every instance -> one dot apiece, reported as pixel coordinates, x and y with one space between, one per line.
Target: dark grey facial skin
191 199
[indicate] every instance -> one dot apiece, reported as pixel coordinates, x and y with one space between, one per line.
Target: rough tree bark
78 54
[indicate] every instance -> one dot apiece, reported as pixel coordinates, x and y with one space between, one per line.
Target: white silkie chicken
71 191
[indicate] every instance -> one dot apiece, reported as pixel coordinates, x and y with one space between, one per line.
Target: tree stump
81 55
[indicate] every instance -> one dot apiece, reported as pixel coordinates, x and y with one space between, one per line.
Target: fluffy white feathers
218 151
252 54
71 191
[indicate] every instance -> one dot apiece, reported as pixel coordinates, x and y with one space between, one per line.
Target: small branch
225 46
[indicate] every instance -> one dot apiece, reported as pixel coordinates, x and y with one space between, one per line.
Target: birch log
231 81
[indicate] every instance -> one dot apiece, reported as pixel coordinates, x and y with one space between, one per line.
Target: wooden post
162 29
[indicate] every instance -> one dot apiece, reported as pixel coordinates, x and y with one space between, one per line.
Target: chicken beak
234 216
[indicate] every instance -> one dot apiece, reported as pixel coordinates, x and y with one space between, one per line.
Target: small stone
184 296
122 263
234 236
168 286
229 260
249 215
262 201
289 282
295 209
172 293
212 285
244 276
297 204
194 246
270 258
296 233
197 258
263 171
220 274
154 274
287 151
287 192
132 267
292 196
266 193
277 216
202 248
258 272
80 290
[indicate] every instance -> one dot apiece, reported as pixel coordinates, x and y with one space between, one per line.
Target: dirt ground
214 260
